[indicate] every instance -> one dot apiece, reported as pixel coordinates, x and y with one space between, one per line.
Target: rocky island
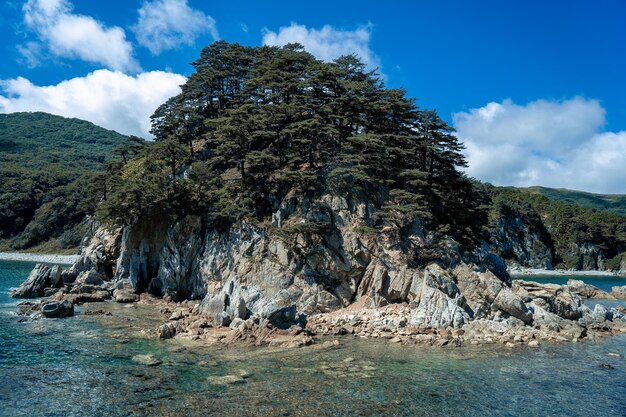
286 198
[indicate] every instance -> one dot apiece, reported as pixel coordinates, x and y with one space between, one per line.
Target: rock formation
316 257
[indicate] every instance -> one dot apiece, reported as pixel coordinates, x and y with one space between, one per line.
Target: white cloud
167 24
31 53
327 43
76 36
549 143
107 98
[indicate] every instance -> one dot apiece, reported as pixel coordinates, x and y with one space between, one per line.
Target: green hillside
47 167
613 203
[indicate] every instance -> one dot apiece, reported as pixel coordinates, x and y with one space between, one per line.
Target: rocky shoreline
290 282
559 316
562 272
48 258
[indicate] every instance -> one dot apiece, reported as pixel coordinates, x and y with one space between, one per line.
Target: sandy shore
560 272
50 258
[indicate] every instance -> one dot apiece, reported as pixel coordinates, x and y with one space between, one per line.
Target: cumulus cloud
167 24
327 43
75 36
549 143
107 98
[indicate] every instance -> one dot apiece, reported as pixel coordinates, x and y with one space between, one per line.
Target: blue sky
536 89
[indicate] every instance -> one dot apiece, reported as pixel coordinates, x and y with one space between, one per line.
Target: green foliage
259 123
48 167
616 262
568 223
613 203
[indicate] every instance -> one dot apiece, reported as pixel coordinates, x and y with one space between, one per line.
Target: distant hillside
613 203
534 230
47 164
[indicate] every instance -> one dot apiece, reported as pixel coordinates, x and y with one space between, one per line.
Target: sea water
82 366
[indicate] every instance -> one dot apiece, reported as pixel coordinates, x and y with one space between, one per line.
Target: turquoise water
79 367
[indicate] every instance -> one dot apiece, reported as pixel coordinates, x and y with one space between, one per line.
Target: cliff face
314 256
318 256
529 243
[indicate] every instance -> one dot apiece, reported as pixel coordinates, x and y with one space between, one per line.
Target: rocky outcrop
55 309
619 292
587 290
40 278
315 257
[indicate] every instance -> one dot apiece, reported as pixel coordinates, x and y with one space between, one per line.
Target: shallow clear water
78 367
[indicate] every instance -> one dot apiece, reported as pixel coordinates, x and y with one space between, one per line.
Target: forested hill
613 203
47 167
534 230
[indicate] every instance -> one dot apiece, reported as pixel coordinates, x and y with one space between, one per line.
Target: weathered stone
237 323
125 296
222 319
586 290
55 309
36 283
166 331
56 276
226 380
147 360
433 307
619 292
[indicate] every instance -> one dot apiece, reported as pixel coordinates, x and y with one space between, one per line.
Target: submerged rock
147 360
226 380
55 309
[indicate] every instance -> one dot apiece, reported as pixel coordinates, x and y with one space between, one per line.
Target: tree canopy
253 124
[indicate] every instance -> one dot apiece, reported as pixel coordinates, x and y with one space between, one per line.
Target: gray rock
222 319
89 278
55 309
586 290
433 306
125 296
56 276
511 303
147 360
619 292
237 323
167 331
36 283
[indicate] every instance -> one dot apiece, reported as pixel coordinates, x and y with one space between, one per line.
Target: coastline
521 272
48 258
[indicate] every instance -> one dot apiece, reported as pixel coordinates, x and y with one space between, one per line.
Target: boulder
566 304
222 319
56 279
89 278
237 323
433 305
619 292
36 283
167 331
586 290
512 304
55 309
125 296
